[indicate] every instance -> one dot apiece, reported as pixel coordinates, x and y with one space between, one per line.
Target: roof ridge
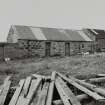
47 27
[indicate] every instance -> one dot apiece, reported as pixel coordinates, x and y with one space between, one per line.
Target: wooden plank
97 80
82 97
34 85
41 76
37 95
63 95
17 93
58 102
37 76
6 80
1 89
90 86
51 89
5 83
79 98
33 88
92 94
27 85
69 93
101 75
5 92
43 95
21 99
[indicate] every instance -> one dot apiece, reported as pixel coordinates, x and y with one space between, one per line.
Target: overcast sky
73 14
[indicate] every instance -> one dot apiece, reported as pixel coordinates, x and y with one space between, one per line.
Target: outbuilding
98 37
42 41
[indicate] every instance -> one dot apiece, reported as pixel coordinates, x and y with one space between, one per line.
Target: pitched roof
97 32
41 33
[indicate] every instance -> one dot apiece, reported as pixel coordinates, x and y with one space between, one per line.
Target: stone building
98 37
40 41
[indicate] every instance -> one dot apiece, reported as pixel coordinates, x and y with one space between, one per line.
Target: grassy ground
76 66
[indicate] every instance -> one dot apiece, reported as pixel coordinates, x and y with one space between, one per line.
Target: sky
72 14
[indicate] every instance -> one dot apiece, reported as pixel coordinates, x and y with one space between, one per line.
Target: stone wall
12 51
34 48
31 48
58 48
38 48
100 45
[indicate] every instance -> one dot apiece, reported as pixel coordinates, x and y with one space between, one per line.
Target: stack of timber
56 89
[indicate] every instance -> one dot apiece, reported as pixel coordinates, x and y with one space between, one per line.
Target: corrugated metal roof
84 35
39 33
54 34
74 35
94 31
24 32
97 32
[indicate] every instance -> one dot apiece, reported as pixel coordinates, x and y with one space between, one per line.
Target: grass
81 67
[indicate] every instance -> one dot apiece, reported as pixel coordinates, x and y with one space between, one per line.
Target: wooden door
67 49
48 47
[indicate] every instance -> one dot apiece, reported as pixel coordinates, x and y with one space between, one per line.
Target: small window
82 45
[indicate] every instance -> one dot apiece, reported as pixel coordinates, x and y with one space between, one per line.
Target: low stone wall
12 51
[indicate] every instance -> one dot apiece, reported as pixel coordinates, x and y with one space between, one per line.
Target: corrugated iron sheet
38 33
97 32
94 31
84 36
35 33
25 32
74 35
54 34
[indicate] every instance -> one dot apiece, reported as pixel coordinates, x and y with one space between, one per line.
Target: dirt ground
75 65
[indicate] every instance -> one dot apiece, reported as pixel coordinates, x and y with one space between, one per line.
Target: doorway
48 47
67 49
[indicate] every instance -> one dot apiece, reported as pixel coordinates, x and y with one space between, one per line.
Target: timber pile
56 89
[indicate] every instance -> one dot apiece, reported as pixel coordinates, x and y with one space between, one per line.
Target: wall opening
67 49
48 48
